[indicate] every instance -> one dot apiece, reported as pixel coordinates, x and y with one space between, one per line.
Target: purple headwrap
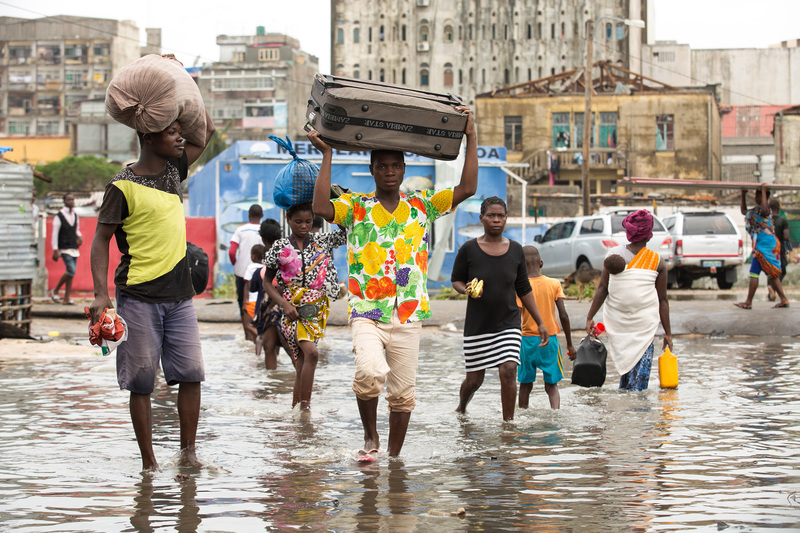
638 226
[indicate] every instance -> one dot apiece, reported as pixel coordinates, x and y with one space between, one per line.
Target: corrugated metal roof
17 254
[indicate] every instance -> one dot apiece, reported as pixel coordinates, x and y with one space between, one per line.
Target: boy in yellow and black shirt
143 209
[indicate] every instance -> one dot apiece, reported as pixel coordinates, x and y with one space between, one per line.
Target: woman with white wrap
635 303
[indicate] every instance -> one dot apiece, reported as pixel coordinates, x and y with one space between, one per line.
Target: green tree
73 173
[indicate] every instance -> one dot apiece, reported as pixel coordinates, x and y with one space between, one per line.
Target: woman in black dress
492 333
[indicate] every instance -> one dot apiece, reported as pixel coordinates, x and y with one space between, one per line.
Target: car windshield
616 224
707 225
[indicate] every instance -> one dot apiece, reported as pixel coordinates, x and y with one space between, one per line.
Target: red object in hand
598 329
109 327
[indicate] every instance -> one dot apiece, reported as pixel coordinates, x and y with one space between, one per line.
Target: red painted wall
199 230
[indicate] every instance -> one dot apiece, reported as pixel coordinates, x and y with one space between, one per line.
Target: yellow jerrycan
668 370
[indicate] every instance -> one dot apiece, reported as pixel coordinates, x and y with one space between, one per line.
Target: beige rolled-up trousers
386 353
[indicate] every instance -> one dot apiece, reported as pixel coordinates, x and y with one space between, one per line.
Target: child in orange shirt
549 296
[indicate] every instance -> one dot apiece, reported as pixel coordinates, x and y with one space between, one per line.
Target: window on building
609 30
47 127
270 54
665 57
553 30
403 76
470 32
369 35
665 133
19 127
563 30
460 32
506 77
460 77
423 33
380 34
258 109
340 36
101 49
424 77
471 75
483 76
382 76
494 32
620 31
356 74
448 76
608 129
242 83
448 33
538 30
403 32
578 129
530 31
513 133
530 73
356 35
238 57
561 134
505 31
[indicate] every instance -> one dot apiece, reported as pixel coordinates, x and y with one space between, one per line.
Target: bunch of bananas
474 288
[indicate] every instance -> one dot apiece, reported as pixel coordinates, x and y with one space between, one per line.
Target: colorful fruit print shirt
388 252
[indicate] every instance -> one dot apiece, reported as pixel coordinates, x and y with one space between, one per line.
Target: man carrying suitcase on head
387 245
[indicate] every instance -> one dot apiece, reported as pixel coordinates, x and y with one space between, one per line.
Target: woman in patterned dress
307 282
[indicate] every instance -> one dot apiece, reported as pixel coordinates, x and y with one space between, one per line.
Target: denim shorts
165 333
71 263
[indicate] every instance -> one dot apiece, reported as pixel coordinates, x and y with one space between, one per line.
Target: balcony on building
20 54
48 54
76 53
48 105
20 104
101 52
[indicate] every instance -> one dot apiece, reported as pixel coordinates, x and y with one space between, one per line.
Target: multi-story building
469 47
754 85
259 86
639 127
49 65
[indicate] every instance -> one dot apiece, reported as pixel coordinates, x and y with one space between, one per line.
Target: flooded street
723 450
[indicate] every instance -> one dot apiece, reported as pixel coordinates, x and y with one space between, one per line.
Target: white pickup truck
707 243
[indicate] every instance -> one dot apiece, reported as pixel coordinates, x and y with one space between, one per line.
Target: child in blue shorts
549 296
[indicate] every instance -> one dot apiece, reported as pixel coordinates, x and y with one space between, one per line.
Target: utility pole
587 116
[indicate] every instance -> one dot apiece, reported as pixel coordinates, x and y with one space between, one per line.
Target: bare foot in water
188 457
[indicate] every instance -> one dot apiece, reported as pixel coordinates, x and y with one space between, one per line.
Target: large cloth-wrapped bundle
153 92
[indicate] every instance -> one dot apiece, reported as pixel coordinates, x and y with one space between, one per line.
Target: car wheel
722 283
583 263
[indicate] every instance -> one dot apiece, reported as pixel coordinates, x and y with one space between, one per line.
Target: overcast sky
189 28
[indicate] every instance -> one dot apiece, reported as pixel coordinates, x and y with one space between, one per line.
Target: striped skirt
489 350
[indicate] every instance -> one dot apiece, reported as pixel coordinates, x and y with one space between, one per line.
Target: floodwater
722 451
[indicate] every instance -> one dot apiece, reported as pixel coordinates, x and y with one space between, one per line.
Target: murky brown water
722 451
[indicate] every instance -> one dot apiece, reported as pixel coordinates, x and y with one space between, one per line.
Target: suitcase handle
330 81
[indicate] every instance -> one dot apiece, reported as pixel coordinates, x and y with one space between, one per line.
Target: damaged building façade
640 127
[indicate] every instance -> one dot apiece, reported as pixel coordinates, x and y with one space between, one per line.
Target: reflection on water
720 451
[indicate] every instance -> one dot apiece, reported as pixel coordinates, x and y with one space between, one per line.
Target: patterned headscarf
638 226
